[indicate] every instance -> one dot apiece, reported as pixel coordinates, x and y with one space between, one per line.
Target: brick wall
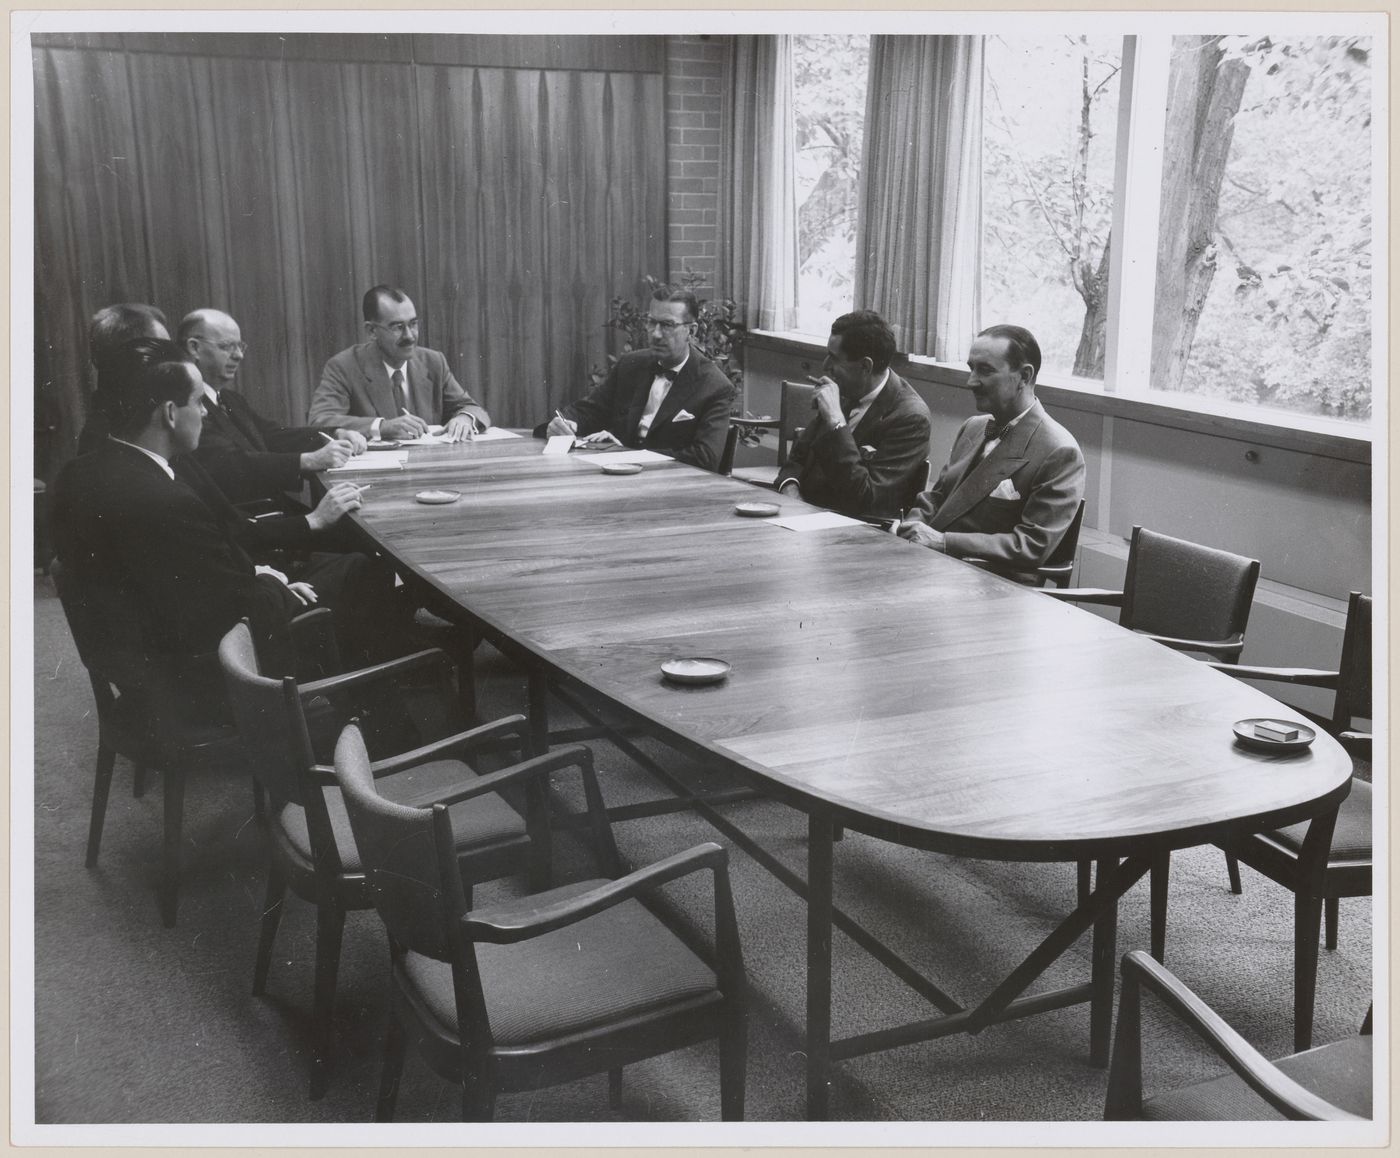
694 69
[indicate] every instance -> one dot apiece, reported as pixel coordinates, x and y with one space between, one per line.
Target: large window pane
1264 278
1050 109
829 83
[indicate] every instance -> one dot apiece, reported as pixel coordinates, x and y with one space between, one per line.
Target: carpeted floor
138 1023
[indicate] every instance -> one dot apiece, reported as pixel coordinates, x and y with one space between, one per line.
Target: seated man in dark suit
390 387
867 445
251 457
669 397
110 329
1014 480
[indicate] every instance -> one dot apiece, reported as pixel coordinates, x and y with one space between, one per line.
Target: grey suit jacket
355 390
1043 469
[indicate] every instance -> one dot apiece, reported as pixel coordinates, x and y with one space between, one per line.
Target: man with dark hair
390 387
669 397
251 457
110 329
865 451
1014 480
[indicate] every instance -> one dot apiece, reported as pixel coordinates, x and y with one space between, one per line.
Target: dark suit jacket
251 457
690 425
871 470
120 520
355 390
1045 468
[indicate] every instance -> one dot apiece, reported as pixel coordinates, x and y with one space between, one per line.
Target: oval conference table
875 685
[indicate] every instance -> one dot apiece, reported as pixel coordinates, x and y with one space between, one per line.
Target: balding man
251 457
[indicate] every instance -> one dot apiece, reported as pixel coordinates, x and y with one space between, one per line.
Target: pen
326 436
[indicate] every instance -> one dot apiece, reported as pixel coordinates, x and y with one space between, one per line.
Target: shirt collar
152 455
210 394
681 365
1017 419
392 370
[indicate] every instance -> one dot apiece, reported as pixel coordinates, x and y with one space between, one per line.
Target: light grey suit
355 390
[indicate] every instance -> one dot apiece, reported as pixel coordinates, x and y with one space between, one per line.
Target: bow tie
991 432
667 372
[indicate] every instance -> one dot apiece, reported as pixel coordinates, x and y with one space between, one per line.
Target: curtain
918 263
759 263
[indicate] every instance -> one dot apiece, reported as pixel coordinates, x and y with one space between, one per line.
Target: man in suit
865 451
1014 479
390 387
110 329
669 397
249 456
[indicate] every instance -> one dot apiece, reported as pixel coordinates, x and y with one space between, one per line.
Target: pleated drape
510 203
760 204
918 258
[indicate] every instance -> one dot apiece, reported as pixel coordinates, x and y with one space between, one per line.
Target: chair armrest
520 920
755 423
458 744
1232 646
1306 676
1260 1074
1099 595
394 667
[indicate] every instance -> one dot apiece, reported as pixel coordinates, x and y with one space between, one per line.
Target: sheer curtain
759 262
918 260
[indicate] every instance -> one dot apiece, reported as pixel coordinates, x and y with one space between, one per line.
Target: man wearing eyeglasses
389 387
668 397
250 456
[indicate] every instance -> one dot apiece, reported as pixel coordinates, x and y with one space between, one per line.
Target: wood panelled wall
511 185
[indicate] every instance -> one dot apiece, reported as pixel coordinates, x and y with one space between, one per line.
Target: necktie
666 372
399 392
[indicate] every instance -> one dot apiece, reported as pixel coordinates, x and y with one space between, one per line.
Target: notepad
494 433
379 460
638 456
559 444
821 521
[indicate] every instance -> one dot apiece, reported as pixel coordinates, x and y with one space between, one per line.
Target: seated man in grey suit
390 387
668 397
1014 480
866 447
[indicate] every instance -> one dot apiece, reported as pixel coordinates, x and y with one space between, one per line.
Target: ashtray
437 498
1245 734
695 670
621 468
756 510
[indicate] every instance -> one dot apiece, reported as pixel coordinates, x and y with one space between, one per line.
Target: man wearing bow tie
668 397
1014 480
865 452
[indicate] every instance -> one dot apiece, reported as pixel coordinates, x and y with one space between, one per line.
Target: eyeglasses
400 328
666 324
224 347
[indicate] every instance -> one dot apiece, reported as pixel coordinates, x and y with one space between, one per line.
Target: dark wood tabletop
905 693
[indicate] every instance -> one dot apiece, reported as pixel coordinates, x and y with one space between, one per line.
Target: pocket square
683 415
1006 491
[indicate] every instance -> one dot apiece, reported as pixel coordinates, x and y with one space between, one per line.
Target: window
1050 107
829 84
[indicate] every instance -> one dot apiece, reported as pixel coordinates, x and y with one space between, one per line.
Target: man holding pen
389 387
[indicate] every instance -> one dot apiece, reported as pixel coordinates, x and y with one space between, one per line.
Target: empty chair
290 732
547 988
1329 1084
794 412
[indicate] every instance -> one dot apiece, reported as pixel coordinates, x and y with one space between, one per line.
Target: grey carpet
137 1023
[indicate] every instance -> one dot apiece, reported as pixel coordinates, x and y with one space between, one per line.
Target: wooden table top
910 694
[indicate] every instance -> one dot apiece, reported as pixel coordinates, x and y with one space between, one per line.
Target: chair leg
101 789
1332 910
838 832
1307 921
330 925
1232 866
615 1088
394 1046
1084 883
174 794
267 934
138 781
1160 882
478 1092
259 803
733 1064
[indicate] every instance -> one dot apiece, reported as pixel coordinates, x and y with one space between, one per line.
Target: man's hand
460 428
303 591
827 401
264 569
357 441
790 487
404 426
561 425
340 499
923 534
602 438
331 455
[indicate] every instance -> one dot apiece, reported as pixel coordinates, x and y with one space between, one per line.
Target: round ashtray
1245 733
438 498
756 510
695 670
622 468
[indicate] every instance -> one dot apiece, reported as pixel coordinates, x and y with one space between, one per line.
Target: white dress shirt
660 387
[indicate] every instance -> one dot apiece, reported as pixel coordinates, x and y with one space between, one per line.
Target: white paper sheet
821 521
639 456
495 433
559 444
374 460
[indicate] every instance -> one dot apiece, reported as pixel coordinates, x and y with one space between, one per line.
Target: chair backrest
794 413
1181 589
106 630
1354 670
1062 554
914 486
726 456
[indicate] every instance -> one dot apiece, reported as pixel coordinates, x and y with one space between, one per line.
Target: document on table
378 460
620 456
559 444
494 433
821 521
437 436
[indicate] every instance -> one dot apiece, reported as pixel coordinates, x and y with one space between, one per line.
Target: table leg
1105 951
537 694
819 840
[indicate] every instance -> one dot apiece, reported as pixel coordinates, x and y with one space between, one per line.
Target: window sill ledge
1269 428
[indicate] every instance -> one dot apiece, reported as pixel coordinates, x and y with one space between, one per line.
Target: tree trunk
1088 357
1203 98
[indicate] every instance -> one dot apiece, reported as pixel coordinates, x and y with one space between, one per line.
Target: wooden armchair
290 730
1328 1084
794 412
544 989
